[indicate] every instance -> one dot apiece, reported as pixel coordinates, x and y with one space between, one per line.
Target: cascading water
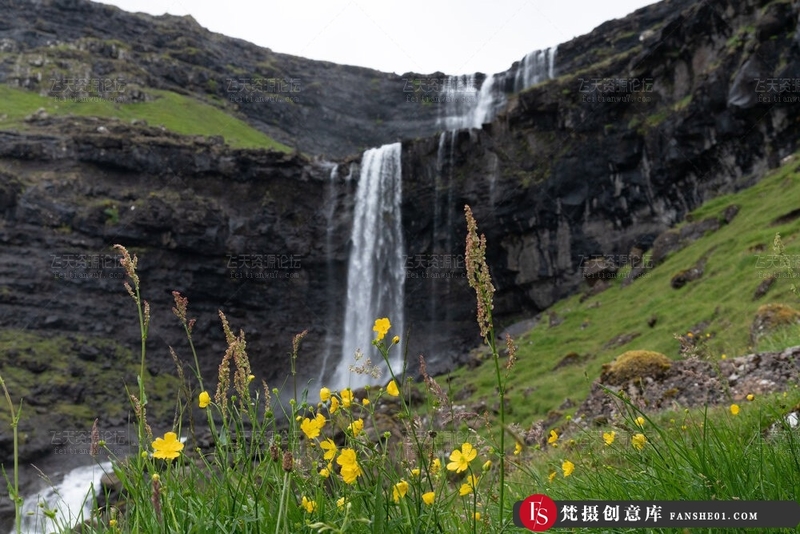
376 269
72 499
466 106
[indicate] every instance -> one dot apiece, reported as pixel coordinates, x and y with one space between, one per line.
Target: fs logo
536 513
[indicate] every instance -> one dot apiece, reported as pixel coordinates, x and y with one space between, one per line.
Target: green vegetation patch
177 113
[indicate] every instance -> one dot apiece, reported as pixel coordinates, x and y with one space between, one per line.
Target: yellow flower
487 465
310 506
324 394
751 397
517 448
428 497
469 486
330 449
399 491
250 378
365 401
356 427
460 459
392 390
324 472
347 397
723 357
112 523
568 467
640 421
608 437
204 399
551 476
638 441
436 465
553 438
334 405
350 468
690 334
340 502
415 472
395 340
477 516
311 428
381 327
167 448
735 409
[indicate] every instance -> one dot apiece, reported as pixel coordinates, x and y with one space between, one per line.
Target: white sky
423 36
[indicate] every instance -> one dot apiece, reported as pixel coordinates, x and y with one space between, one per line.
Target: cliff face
604 158
650 116
317 107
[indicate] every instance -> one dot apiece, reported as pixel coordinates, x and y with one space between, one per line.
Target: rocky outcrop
611 154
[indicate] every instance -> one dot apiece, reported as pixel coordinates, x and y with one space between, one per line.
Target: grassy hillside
718 308
178 113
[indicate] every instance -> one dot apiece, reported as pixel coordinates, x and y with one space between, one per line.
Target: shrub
635 365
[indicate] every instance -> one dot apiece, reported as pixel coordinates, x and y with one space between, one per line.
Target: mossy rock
635 365
771 317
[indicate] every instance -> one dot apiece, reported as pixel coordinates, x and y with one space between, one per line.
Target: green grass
723 296
180 114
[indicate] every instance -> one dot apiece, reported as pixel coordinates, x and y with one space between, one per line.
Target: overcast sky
423 36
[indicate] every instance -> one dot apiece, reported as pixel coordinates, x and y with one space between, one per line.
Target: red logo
538 512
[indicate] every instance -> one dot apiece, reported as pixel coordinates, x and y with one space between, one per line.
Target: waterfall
73 499
534 68
376 269
466 106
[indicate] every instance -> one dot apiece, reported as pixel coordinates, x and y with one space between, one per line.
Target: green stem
14 426
502 392
283 499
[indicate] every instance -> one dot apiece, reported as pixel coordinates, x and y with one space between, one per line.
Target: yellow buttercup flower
735 409
568 467
415 472
428 497
350 468
341 502
638 441
399 491
347 397
517 448
608 437
469 486
168 447
640 421
311 428
309 505
395 340
324 394
330 449
324 472
553 438
750 397
487 465
334 405
460 459
381 327
204 399
551 476
392 389
356 427
365 401
477 516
